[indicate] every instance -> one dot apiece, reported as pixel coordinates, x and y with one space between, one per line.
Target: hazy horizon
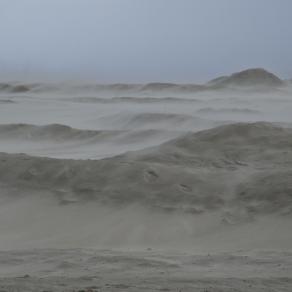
129 41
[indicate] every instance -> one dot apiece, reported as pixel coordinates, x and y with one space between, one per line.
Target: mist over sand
110 186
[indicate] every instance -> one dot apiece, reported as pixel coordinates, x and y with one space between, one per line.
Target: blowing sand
157 187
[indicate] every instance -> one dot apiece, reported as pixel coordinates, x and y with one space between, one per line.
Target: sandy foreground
145 188
108 270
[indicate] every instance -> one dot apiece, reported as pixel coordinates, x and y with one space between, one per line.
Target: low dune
156 120
61 141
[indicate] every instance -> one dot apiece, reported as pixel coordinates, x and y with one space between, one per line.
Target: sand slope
231 165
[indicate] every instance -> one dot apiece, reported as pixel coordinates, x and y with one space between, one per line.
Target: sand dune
52 132
255 77
157 120
15 88
61 141
172 87
250 77
195 173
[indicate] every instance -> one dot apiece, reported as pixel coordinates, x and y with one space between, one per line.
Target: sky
143 40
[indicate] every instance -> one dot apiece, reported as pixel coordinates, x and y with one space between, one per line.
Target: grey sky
144 40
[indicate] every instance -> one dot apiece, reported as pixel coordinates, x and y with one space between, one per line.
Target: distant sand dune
256 77
156 120
52 132
15 88
250 77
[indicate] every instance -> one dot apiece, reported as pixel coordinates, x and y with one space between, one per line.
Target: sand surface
155 187
108 270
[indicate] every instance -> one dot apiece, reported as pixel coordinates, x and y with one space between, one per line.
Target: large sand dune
232 165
